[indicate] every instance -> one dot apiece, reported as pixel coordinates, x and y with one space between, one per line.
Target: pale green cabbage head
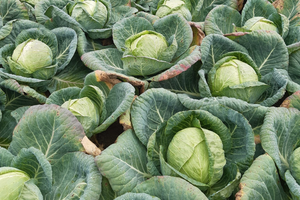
174 6
85 110
260 23
197 153
12 181
95 9
147 44
233 72
32 55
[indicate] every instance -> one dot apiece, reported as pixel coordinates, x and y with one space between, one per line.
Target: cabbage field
150 99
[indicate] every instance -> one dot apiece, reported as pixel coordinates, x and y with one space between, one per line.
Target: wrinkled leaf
267 49
261 180
279 135
124 163
151 109
221 20
79 175
292 101
257 8
118 101
49 128
168 188
34 163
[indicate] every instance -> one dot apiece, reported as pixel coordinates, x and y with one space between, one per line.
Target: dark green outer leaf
12 9
6 29
100 33
19 112
42 6
124 163
107 192
200 9
7 125
293 185
79 176
291 85
105 60
49 128
183 83
5 52
2 100
151 109
143 66
32 82
221 20
109 60
281 22
294 66
17 27
226 185
118 101
72 76
254 113
293 47
115 3
136 196
293 101
293 35
277 81
148 16
184 62
261 181
204 90
121 12
242 137
5 157
19 95
67 44
289 8
257 8
153 164
279 135
34 163
267 49
169 188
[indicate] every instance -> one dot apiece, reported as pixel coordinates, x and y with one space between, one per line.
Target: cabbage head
174 6
30 56
196 151
232 77
85 111
90 14
12 181
260 23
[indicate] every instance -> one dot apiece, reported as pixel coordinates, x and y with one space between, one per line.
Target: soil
108 137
